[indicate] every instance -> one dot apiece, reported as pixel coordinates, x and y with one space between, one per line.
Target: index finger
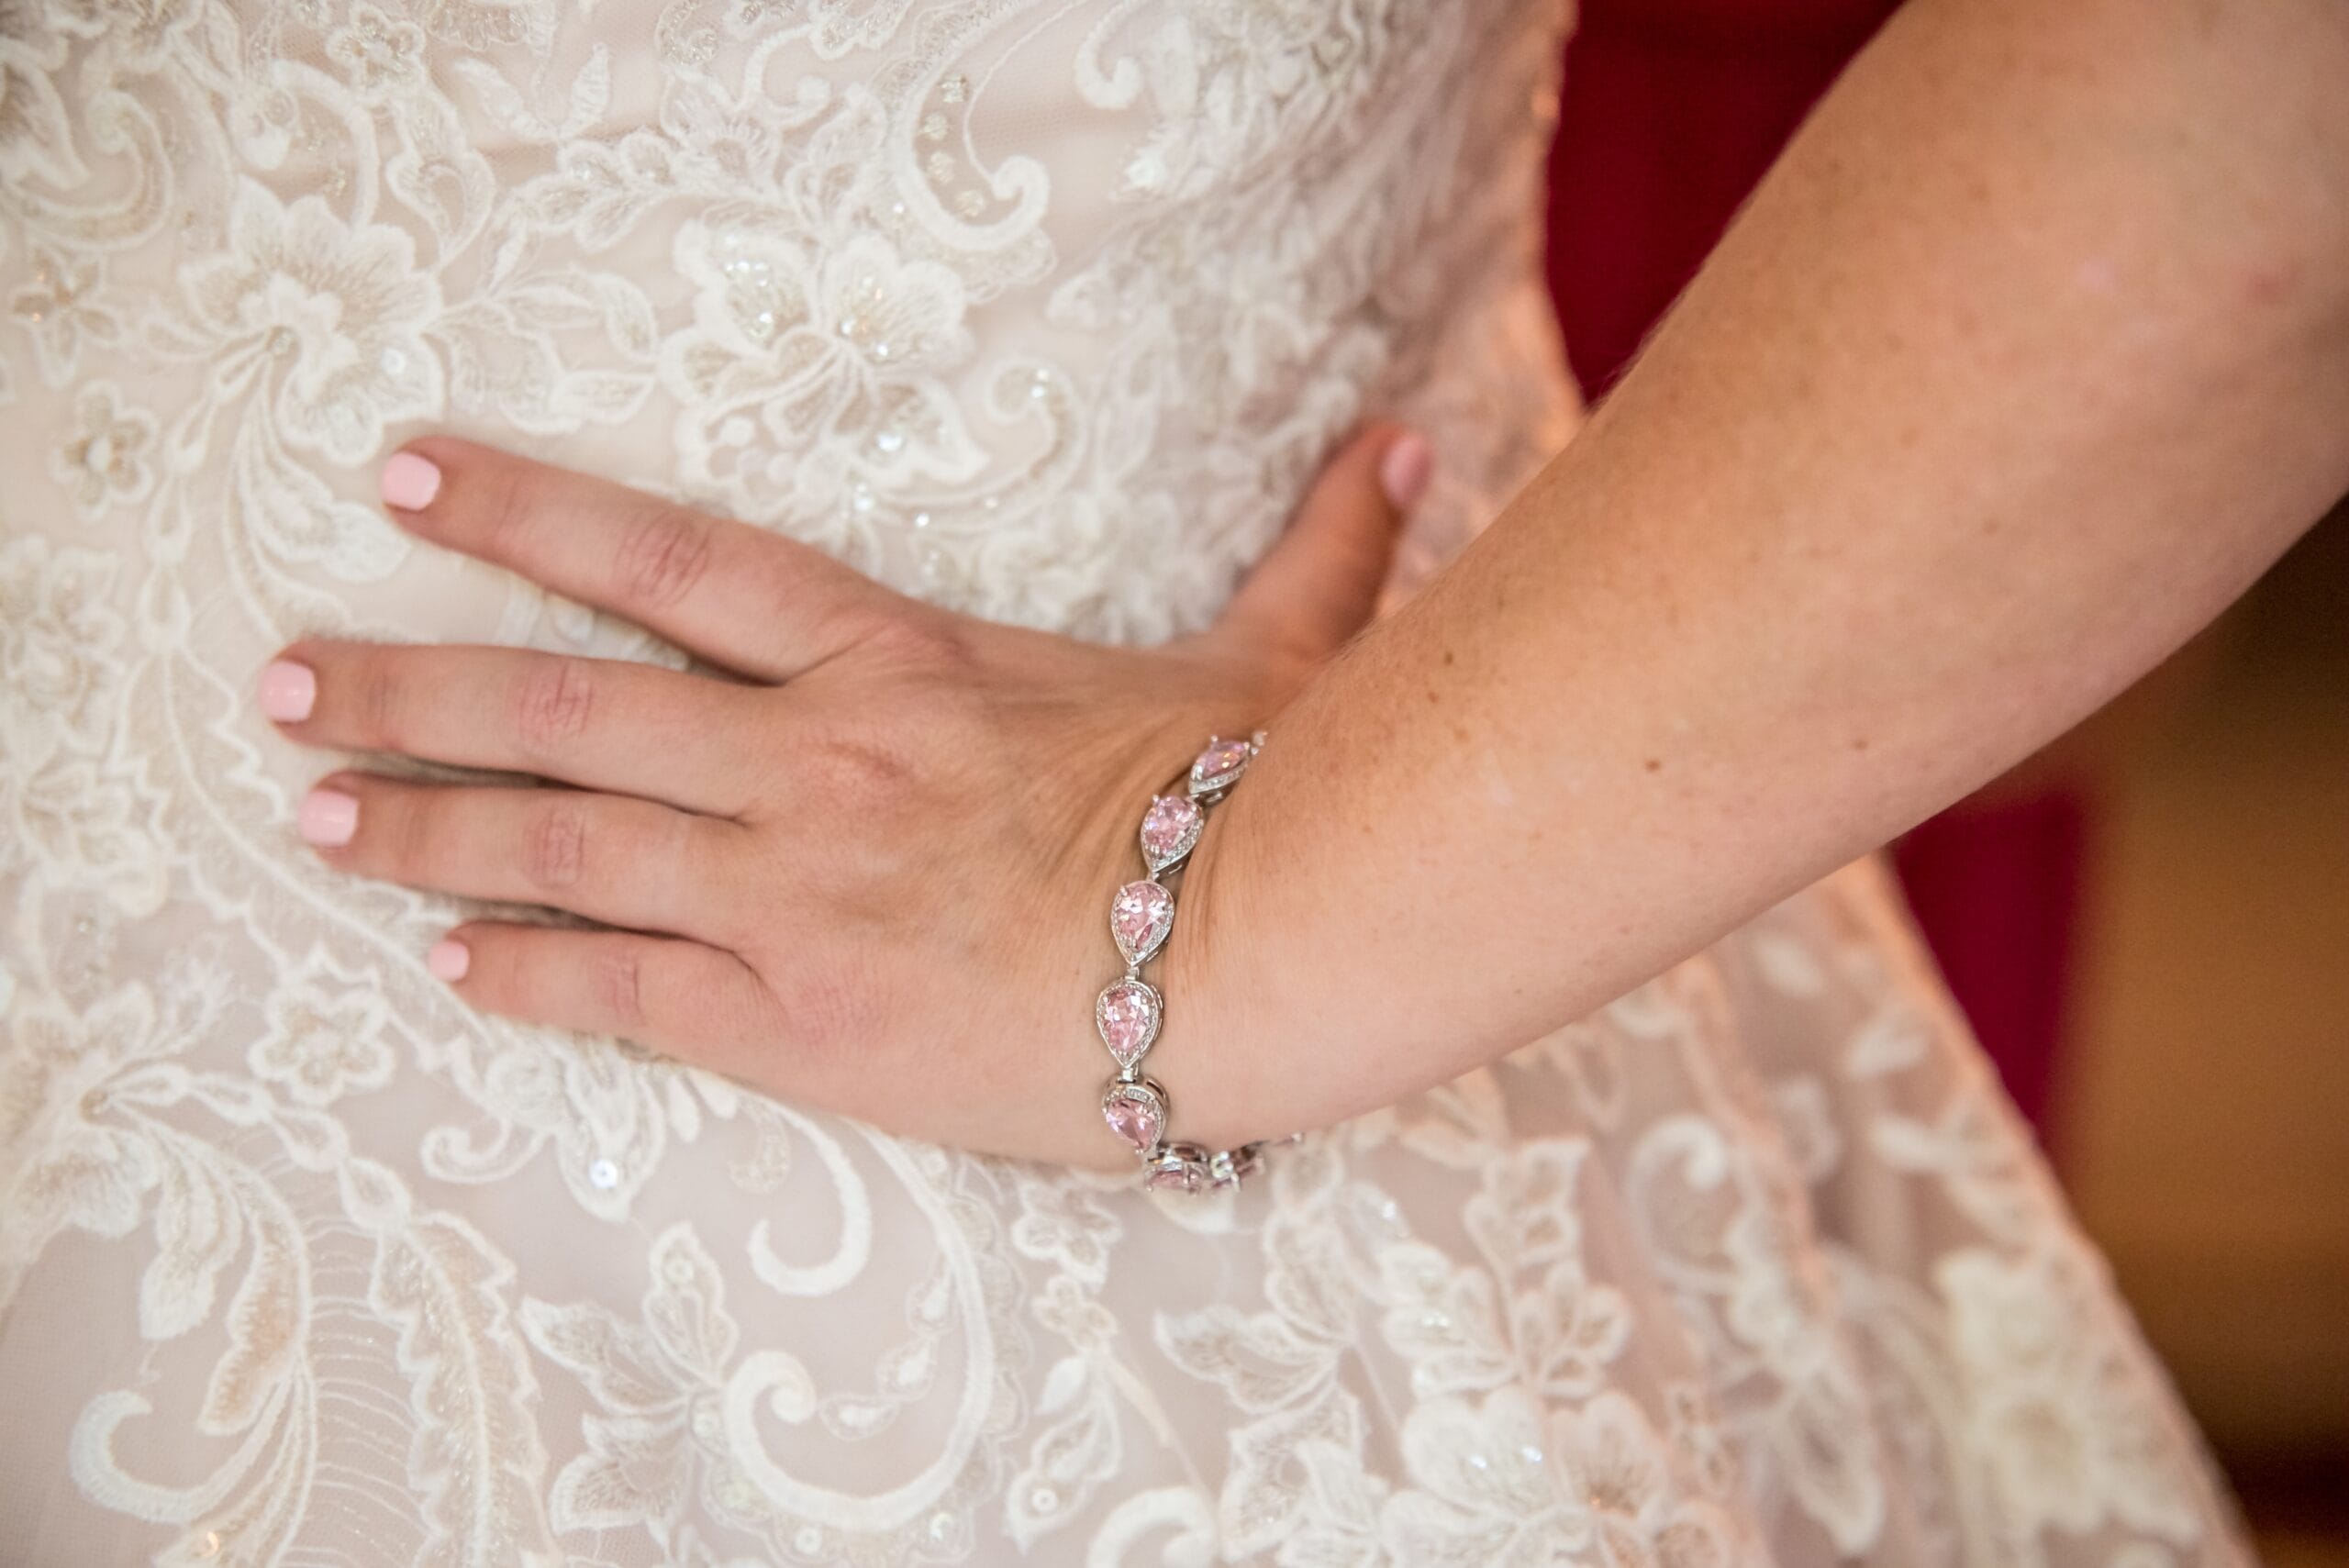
738 597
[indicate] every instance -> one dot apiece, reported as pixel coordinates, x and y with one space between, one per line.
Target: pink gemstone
1169 830
1174 1173
1220 763
1134 1116
1140 917
1126 1015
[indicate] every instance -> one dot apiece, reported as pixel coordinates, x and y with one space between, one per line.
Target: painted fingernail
1403 471
410 482
448 961
328 818
288 691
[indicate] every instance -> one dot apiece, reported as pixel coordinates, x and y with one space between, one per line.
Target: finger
699 1004
1321 584
623 862
738 597
603 724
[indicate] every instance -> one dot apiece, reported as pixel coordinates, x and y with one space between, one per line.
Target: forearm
2027 358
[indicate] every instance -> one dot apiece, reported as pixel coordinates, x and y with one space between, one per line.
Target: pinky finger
699 1004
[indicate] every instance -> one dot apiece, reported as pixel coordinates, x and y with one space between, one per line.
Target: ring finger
623 862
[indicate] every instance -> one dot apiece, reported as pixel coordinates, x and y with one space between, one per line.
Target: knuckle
501 501
862 777
618 978
662 554
378 702
554 846
827 1015
552 703
400 833
925 647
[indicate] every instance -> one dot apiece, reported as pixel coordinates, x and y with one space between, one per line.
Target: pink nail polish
288 691
410 482
328 818
1404 471
448 961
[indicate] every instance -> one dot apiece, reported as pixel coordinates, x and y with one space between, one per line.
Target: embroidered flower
379 54
1498 1485
104 458
60 1164
1530 1314
1616 1463
60 307
326 1035
2058 1420
1059 1222
1486 1491
60 661
835 349
334 315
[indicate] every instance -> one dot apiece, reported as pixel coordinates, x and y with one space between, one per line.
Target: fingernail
410 482
328 818
1403 471
448 961
287 691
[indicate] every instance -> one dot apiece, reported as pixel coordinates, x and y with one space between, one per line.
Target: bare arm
2028 356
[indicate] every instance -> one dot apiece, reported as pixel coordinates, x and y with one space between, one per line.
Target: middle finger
604 724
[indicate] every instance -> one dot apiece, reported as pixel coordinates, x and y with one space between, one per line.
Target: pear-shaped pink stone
1126 1015
1169 830
1135 1116
1140 917
1220 762
1173 1173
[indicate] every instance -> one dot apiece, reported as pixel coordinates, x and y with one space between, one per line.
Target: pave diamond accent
1137 1113
1140 917
1127 1013
1219 766
1170 829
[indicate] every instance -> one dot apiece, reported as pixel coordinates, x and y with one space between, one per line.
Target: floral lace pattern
1049 311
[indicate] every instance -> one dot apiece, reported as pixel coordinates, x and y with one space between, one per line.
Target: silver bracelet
1130 1010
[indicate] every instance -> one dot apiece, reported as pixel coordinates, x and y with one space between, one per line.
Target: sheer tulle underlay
1046 309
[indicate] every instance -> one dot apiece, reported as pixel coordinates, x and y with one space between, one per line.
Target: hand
871 870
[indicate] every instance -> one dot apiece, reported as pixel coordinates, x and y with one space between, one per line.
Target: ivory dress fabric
1048 310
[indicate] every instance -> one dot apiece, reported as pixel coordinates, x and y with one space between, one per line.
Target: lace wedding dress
1046 309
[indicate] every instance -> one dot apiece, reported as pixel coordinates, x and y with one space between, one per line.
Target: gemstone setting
1130 1010
1140 917
1179 1168
1128 1013
1170 829
1219 766
1230 1167
1137 1112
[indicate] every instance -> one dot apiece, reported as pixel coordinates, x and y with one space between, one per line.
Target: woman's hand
872 871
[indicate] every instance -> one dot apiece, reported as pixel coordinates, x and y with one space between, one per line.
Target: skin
2028 356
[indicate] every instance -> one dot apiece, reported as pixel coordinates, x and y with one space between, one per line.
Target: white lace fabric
1048 310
